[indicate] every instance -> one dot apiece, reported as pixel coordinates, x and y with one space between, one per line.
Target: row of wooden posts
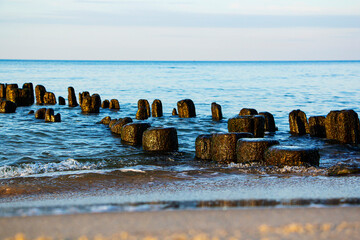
243 143
342 126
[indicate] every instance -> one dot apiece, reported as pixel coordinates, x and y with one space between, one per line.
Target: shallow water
36 152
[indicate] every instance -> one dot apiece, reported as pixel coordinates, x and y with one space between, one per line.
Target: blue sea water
33 150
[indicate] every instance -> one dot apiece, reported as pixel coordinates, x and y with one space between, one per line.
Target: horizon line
104 60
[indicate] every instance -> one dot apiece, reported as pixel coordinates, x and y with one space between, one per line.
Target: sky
245 30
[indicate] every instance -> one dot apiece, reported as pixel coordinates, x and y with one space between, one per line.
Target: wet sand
119 191
259 223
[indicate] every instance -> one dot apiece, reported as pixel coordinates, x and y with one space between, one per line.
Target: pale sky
180 29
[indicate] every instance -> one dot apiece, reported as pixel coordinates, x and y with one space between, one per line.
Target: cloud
145 18
185 13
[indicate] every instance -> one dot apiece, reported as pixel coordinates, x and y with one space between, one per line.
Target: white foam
131 170
248 167
29 169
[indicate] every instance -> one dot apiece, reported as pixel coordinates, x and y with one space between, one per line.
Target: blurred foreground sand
259 223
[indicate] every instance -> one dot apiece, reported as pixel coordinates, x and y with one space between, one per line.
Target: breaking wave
256 168
28 169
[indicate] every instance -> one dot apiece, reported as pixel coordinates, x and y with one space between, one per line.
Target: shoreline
130 191
259 223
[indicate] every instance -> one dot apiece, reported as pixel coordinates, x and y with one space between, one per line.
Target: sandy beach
259 223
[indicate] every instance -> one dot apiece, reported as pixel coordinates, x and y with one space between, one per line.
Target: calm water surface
61 158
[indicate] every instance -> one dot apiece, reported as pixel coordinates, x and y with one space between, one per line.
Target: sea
79 166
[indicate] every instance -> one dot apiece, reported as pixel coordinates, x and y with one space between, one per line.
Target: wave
257 168
28 169
178 205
